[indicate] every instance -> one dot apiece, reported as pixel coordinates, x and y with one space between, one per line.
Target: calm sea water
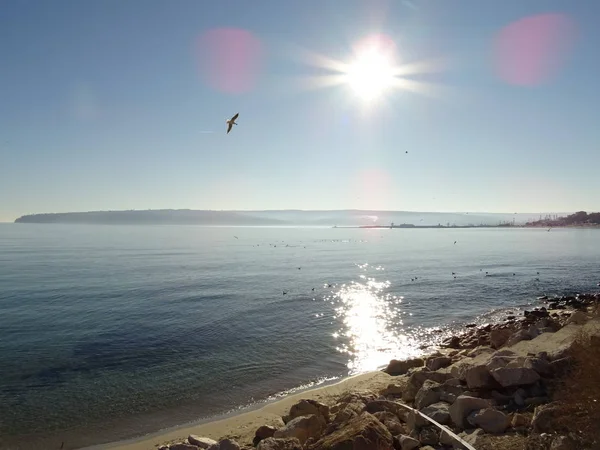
112 332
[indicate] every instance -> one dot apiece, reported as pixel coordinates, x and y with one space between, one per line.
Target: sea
109 333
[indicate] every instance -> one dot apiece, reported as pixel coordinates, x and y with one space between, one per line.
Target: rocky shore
492 387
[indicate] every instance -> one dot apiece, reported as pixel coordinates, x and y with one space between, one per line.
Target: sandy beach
243 426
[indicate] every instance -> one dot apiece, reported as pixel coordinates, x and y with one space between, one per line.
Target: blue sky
103 105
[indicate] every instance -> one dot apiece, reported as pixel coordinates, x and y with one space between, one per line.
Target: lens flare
230 59
532 50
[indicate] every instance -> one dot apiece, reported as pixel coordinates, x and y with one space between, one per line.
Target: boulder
302 428
429 435
408 443
416 380
541 366
499 337
438 362
306 408
561 367
396 367
389 406
364 432
428 394
391 422
440 412
497 362
225 444
279 444
489 420
357 397
201 442
463 406
415 422
515 376
478 377
520 421
182 446
264 432
521 335
348 412
394 390
578 318
545 418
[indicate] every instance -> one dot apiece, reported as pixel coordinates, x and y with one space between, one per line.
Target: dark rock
428 394
407 443
489 420
418 377
440 412
391 422
545 418
263 432
515 376
387 405
437 363
453 342
429 436
396 367
478 377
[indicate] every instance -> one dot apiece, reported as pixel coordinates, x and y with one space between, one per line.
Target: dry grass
578 392
510 441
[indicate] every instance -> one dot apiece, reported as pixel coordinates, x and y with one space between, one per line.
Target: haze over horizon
122 105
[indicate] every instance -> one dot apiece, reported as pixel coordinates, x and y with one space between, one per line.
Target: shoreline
242 425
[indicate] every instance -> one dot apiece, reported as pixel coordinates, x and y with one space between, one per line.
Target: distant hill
274 218
151 217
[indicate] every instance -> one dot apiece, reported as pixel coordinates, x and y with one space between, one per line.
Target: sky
114 105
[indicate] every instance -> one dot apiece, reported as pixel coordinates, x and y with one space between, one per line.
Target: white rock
463 406
201 442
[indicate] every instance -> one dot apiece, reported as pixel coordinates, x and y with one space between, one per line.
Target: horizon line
302 210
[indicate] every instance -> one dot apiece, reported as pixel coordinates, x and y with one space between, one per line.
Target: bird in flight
231 122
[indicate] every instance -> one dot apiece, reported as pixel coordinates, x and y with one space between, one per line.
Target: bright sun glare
371 74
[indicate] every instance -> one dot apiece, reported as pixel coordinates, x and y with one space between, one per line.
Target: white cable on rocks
440 426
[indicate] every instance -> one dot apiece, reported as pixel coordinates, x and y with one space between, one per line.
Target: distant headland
578 219
324 218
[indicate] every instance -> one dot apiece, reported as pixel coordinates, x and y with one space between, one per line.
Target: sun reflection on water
371 327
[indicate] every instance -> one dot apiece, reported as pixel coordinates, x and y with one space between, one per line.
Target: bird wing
229 127
235 117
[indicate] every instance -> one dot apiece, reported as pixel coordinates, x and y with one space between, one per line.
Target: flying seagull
231 122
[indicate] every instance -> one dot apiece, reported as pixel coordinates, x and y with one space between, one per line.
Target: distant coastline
327 218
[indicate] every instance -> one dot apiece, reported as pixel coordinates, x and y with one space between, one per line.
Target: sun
370 74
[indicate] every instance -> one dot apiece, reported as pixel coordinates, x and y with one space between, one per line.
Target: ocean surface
112 332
